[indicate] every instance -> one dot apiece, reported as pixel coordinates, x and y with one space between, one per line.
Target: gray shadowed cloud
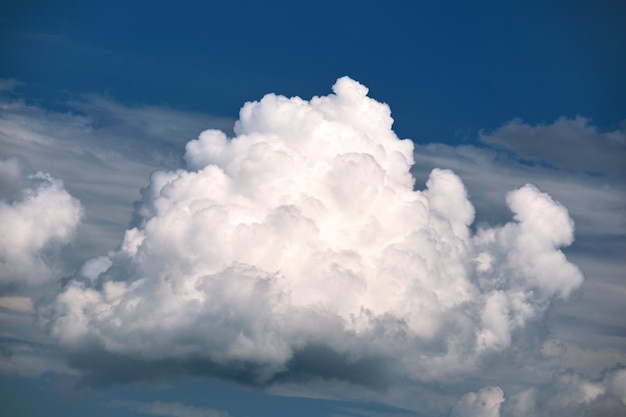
570 144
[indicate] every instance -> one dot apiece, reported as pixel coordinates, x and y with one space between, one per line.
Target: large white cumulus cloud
37 215
304 230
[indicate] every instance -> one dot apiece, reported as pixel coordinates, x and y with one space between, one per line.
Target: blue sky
471 66
488 316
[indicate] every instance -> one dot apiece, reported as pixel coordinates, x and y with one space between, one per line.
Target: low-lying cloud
299 249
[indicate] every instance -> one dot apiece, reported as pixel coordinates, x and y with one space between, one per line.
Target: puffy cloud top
303 231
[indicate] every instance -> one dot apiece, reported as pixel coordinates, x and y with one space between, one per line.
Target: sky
333 209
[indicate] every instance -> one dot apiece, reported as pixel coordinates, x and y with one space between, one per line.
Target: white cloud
43 217
301 241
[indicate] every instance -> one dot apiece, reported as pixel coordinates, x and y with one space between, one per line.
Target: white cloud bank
302 238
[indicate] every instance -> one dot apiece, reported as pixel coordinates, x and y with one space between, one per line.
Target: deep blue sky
446 68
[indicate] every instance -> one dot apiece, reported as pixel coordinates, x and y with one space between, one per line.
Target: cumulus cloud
299 248
41 218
